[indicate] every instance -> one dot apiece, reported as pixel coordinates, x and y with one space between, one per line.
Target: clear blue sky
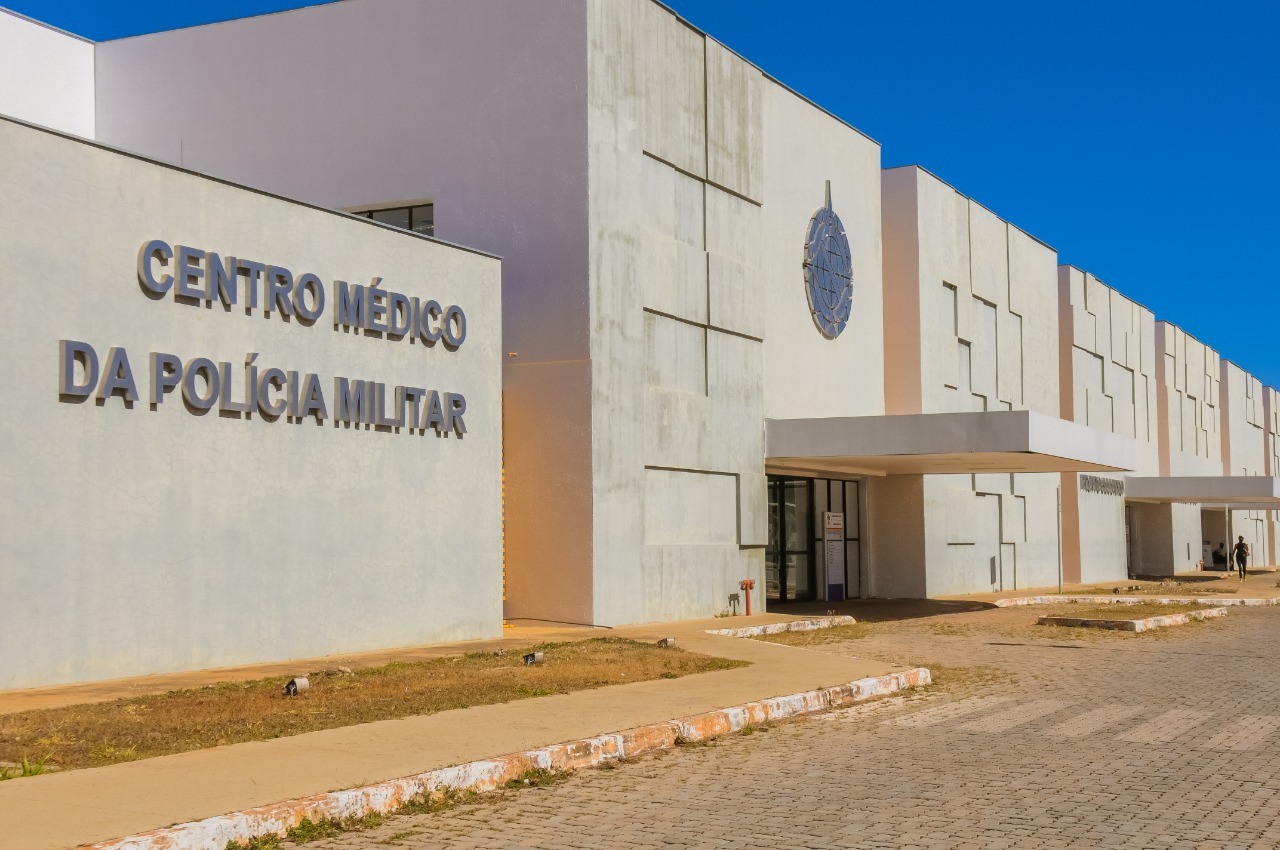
1139 139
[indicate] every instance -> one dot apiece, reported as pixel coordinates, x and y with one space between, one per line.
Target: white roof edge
991 432
1245 489
93 143
41 23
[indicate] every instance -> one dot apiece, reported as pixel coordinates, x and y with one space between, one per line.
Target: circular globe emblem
828 271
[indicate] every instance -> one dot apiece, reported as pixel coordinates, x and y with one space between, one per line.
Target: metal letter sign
828 271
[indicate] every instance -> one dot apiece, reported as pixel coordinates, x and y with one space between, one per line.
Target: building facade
727 346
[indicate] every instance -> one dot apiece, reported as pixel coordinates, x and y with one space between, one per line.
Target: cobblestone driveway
1169 740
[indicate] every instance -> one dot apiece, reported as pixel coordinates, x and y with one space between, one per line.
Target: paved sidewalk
1260 584
1166 740
64 810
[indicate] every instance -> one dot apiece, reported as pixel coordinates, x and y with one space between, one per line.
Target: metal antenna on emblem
828 194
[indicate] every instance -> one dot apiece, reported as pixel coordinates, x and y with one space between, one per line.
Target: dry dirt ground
95 734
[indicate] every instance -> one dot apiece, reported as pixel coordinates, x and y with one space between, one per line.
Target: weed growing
233 712
440 800
536 777
270 841
309 830
950 629
689 743
1137 611
835 634
25 767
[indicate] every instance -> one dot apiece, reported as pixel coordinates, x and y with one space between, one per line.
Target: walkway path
1164 740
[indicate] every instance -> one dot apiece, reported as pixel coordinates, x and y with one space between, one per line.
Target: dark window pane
797 573
424 219
398 217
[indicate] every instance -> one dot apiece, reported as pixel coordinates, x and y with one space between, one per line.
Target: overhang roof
1209 489
944 443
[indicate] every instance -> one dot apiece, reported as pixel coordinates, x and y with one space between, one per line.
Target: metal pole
1059 538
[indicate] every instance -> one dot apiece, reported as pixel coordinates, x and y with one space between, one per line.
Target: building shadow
883 610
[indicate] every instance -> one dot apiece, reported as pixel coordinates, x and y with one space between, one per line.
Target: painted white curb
1158 622
810 625
1132 600
489 774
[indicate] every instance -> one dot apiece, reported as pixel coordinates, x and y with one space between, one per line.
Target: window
419 219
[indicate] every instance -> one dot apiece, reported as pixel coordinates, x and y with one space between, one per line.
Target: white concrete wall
1244 451
1166 538
1271 455
806 374
479 108
144 539
1190 432
1108 382
677 183
895 545
1188 393
46 75
704 178
972 300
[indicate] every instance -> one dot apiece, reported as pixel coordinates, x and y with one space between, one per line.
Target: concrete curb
490 774
810 625
1158 622
1133 600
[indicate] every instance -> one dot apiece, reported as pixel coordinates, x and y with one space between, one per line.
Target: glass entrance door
788 571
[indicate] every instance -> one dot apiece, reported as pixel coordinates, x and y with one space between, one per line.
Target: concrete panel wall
1108 382
227 538
973 301
1271 454
478 108
1166 538
985 293
1244 451
895 548
1103 552
704 176
900 211
1244 445
46 75
1188 393
807 374
547 492
677 317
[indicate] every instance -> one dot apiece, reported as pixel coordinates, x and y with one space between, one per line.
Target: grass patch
233 712
835 634
950 629
1138 611
953 677
1167 587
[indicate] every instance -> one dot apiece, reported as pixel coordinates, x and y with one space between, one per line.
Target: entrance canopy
944 443
1258 490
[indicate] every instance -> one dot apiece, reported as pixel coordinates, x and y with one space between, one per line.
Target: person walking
1242 556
